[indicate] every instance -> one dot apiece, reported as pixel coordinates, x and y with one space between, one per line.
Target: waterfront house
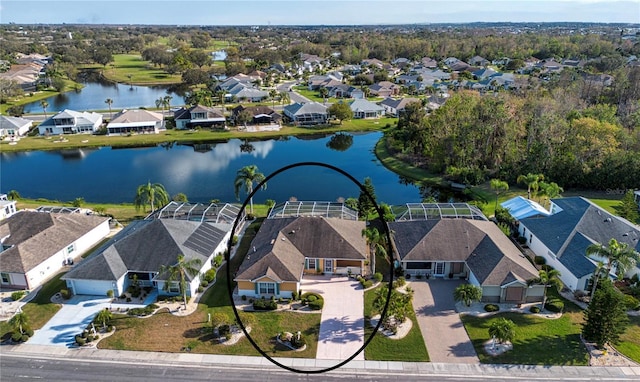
362 108
304 114
199 115
13 127
71 122
37 245
136 121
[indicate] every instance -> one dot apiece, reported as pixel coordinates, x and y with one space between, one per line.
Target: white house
141 249
7 207
71 122
37 245
13 127
563 237
312 113
362 108
136 121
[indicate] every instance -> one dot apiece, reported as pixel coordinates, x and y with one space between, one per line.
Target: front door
328 266
439 271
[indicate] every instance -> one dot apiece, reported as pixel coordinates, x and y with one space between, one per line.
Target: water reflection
340 142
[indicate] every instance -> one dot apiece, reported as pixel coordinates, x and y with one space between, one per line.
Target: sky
314 12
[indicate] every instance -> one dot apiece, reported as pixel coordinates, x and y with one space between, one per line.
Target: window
71 248
311 264
5 278
267 288
174 287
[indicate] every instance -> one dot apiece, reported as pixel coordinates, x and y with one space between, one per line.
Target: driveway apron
342 323
443 332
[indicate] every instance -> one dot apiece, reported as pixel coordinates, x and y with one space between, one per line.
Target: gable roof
36 236
135 116
398 104
489 254
575 224
361 105
184 113
282 244
149 245
79 118
8 122
305 108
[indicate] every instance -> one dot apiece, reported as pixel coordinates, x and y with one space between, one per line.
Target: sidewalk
421 368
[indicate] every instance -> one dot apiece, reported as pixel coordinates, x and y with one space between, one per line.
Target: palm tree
13 195
178 272
150 194
44 105
272 94
550 190
546 278
19 321
502 330
377 244
499 186
532 182
166 102
599 273
104 316
109 101
285 98
467 293
619 256
245 178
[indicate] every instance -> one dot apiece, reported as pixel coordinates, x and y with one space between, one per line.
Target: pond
207 171
94 93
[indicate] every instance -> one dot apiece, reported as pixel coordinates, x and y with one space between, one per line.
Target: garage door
91 287
514 294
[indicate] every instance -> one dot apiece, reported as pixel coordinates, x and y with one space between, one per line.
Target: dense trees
605 317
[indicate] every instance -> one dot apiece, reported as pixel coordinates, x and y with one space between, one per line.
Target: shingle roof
364 105
487 251
137 115
7 122
305 108
149 246
281 246
36 236
575 224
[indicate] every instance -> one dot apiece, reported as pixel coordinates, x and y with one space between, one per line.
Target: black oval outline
389 255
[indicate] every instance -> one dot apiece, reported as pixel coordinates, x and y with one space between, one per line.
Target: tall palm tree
532 182
245 178
285 98
178 272
166 103
44 105
272 94
13 195
547 279
377 244
104 316
109 101
599 273
620 257
499 186
19 321
550 190
150 194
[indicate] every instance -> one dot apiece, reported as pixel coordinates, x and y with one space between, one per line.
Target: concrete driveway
74 316
342 322
443 332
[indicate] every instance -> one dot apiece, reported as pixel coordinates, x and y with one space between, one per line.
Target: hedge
262 304
491 308
554 305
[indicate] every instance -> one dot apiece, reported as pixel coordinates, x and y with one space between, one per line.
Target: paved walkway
342 323
441 327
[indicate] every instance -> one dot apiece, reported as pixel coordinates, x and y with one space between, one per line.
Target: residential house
456 240
311 113
136 121
339 91
362 108
314 238
37 245
483 73
478 61
372 62
563 237
244 92
13 127
142 248
311 62
71 122
25 75
7 207
428 62
401 62
394 107
199 115
261 114
522 208
384 89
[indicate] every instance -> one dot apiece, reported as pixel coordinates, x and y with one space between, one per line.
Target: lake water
94 93
203 172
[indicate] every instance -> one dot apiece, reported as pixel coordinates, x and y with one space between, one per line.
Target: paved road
443 331
342 323
295 97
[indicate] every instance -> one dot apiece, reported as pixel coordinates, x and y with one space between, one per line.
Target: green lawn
142 72
630 341
37 96
410 348
539 341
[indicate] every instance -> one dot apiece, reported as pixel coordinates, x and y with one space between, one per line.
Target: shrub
631 302
546 267
400 282
16 337
210 275
491 308
312 298
223 330
377 276
367 284
243 297
110 293
29 332
521 239
200 289
534 309
128 299
90 338
17 295
398 272
65 294
539 260
294 295
234 241
554 305
204 283
298 342
316 304
109 328
262 304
